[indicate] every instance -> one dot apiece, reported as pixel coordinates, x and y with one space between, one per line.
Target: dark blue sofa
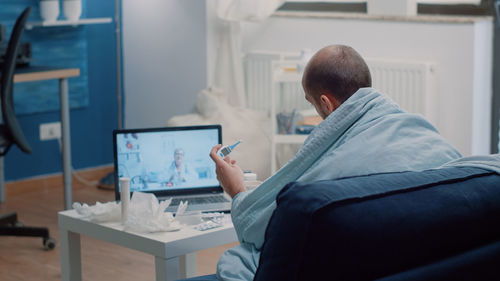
441 224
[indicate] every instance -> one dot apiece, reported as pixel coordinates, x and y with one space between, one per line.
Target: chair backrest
12 125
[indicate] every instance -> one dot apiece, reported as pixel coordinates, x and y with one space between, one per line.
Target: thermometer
225 150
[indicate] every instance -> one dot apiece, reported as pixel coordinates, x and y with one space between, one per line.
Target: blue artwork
51 46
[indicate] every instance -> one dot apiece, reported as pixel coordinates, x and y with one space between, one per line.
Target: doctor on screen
179 172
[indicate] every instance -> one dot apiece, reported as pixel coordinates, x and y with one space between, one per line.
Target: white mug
72 9
49 10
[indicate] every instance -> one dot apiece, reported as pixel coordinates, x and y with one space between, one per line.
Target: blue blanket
367 134
487 162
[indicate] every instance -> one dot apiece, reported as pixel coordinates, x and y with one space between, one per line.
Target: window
452 7
452 2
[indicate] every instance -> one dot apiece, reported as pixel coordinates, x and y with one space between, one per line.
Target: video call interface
167 160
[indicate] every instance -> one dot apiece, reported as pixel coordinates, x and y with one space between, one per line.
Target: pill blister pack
212 215
207 225
212 220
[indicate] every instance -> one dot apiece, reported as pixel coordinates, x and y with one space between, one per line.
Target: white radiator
259 80
410 84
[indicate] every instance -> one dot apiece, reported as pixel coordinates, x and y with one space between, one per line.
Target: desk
173 251
37 73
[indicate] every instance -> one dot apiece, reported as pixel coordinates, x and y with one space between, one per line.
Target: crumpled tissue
187 218
146 214
100 212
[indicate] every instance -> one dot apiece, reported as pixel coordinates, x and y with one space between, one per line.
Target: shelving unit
31 25
282 72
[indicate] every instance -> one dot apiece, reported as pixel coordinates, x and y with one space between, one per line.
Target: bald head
336 70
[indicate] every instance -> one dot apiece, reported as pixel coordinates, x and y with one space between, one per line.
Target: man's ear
329 103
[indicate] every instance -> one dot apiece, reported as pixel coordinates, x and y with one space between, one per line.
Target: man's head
332 75
178 157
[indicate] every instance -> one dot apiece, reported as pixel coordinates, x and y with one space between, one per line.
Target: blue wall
92 125
56 46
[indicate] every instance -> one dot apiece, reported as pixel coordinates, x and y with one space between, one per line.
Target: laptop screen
167 161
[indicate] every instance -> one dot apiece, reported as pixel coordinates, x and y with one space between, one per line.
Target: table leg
167 269
2 182
66 145
187 265
175 268
71 264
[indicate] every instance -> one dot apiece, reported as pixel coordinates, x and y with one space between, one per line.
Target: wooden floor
37 202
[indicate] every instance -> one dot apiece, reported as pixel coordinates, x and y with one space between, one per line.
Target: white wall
164 59
165 45
462 53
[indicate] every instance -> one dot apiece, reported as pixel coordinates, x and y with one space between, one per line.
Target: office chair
11 133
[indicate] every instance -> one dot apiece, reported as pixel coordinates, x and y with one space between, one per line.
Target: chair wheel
49 243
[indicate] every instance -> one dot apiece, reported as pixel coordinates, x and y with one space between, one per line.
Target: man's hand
229 175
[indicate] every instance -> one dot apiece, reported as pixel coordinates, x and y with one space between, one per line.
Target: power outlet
49 131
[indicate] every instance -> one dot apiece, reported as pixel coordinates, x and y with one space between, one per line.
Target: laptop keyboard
200 200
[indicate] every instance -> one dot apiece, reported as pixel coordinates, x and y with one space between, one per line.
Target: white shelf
293 138
282 72
30 25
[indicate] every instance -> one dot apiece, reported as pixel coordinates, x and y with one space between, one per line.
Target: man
178 172
363 132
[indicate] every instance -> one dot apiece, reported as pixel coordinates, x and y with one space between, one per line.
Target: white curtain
247 10
229 65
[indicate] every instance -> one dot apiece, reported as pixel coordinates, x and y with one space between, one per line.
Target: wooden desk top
37 73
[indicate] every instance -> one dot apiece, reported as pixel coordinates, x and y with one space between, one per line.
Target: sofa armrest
364 228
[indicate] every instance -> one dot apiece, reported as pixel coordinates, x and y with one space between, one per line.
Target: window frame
484 8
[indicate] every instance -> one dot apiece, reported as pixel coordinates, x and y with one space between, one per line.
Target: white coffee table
174 251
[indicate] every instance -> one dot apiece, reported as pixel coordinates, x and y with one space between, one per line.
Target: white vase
72 9
49 10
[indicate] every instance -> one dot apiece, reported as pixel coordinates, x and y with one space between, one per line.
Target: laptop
171 162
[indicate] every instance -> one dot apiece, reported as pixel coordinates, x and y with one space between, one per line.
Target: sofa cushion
478 264
369 227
